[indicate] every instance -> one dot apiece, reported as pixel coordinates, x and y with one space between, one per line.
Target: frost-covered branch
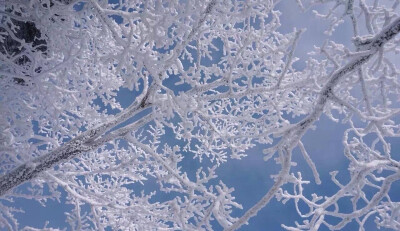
126 110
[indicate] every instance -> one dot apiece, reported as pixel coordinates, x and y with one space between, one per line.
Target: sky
250 177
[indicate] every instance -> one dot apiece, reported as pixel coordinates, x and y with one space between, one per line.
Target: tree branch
297 131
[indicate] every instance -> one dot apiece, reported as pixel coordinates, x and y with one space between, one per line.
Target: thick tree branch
71 149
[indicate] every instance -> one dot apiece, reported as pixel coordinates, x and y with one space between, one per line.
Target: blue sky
251 176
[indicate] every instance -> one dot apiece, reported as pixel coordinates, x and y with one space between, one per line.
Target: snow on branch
126 111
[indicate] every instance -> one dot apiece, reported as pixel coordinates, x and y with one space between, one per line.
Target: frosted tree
210 79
